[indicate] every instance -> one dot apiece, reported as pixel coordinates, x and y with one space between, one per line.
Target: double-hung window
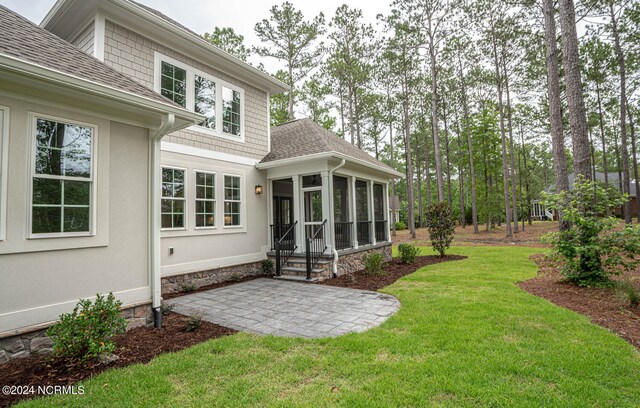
205 199
173 198
232 201
62 181
221 103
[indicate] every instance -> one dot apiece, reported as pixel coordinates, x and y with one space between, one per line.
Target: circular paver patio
290 309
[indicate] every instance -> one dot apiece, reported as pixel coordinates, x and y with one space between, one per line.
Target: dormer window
220 102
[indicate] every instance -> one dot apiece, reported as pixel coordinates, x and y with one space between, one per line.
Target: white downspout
155 178
335 251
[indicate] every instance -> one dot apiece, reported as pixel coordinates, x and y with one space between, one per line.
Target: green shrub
630 292
87 332
194 322
589 248
441 226
187 287
400 226
267 267
408 253
166 308
373 263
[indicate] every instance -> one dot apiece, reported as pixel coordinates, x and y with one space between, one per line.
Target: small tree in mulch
441 226
590 249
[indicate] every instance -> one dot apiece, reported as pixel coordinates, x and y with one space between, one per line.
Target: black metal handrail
285 245
342 232
315 246
363 232
381 230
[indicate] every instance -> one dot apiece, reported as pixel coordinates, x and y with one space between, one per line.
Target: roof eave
23 67
328 155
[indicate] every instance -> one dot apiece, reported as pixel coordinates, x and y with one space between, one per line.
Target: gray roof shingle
304 137
22 39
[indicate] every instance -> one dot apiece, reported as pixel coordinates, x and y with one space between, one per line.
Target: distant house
136 157
538 210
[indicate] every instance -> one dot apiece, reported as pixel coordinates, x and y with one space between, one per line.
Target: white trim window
173 198
62 178
205 199
232 201
4 165
220 102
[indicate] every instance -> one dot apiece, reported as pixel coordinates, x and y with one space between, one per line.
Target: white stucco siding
202 249
43 277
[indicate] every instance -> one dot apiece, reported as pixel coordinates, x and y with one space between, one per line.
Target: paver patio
289 309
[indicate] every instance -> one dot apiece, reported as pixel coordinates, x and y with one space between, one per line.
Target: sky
203 15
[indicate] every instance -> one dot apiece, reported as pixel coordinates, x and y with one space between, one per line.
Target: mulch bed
136 346
604 306
394 270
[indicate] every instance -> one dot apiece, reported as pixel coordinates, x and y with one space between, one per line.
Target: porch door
282 210
312 212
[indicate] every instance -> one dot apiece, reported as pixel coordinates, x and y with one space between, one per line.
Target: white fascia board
54 76
207 154
328 155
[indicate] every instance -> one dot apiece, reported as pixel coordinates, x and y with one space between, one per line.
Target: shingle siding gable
133 54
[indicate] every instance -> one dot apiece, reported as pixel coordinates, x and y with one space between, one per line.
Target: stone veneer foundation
173 284
36 341
351 260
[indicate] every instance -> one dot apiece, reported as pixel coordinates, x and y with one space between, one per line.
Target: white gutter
155 179
331 215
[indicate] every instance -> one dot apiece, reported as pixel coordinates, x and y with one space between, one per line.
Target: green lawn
466 335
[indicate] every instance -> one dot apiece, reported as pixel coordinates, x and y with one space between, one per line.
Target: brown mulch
136 346
394 270
167 296
604 306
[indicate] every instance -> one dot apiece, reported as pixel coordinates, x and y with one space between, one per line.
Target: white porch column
327 206
298 212
387 212
372 214
354 219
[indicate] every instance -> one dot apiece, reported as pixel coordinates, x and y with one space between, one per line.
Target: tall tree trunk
514 196
555 107
618 160
635 160
463 219
290 96
344 135
526 182
434 114
605 166
505 166
357 113
407 139
626 184
393 163
573 82
419 179
446 143
427 169
350 97
465 109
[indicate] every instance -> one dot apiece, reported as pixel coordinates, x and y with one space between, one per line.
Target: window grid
232 201
173 198
173 83
62 181
231 111
205 199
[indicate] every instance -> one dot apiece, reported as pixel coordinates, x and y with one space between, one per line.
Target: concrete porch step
303 261
297 271
292 278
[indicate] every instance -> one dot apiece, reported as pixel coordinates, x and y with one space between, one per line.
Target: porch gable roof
305 139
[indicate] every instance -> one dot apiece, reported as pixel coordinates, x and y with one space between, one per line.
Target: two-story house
136 157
